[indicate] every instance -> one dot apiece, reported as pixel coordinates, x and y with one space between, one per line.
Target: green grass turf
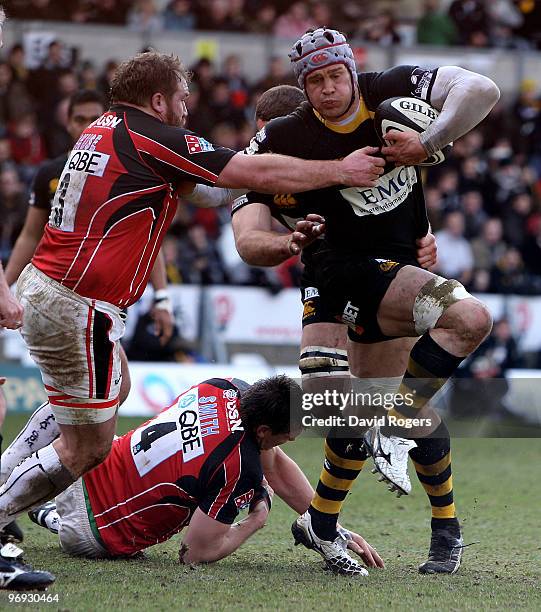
498 496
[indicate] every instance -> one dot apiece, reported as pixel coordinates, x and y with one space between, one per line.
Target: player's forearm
233 539
158 276
272 173
289 482
280 174
261 248
22 253
464 99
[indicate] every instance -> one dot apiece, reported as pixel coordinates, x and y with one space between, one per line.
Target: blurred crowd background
484 203
480 23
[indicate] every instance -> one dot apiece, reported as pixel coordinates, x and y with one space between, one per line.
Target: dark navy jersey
46 181
381 221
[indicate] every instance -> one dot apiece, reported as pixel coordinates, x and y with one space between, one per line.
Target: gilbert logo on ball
408 115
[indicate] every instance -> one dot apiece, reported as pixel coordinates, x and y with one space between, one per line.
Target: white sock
40 430
37 479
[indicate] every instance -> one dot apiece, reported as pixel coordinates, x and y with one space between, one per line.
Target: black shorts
315 310
351 288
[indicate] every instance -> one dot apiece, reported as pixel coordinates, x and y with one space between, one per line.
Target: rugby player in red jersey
116 198
196 464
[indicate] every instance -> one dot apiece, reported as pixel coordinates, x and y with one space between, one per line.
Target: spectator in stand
40 10
27 144
510 276
106 77
145 17
215 15
263 20
179 16
448 188
199 260
13 204
278 74
515 219
238 86
531 26
238 16
110 12
220 106
455 258
474 215
43 82
471 21
380 29
505 19
488 248
434 207
294 22
322 15
14 97
524 112
17 62
203 75
532 252
436 27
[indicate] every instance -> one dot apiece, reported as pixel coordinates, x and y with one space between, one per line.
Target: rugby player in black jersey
367 274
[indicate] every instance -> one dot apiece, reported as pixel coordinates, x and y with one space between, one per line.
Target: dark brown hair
278 101
138 79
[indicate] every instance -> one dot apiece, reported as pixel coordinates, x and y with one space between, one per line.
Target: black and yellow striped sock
344 459
429 368
432 460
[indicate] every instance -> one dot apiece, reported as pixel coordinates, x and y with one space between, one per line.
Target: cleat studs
374 470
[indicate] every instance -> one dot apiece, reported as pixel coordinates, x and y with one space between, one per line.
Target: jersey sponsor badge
196 144
311 292
243 501
233 417
421 79
308 310
385 264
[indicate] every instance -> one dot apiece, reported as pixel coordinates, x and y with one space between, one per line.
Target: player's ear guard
408 115
261 494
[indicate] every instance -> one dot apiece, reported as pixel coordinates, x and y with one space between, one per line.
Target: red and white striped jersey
194 454
116 197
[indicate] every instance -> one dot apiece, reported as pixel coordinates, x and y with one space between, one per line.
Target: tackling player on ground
370 248
196 464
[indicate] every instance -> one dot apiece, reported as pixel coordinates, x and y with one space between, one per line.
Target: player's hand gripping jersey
193 454
115 200
382 221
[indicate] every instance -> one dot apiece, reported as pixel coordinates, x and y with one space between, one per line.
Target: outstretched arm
272 173
291 485
209 540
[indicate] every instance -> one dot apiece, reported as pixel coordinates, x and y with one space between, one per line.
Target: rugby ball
408 114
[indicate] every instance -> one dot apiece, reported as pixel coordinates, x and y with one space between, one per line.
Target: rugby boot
11 533
390 456
46 516
335 554
15 575
445 554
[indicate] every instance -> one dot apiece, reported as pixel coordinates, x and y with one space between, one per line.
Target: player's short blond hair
139 78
